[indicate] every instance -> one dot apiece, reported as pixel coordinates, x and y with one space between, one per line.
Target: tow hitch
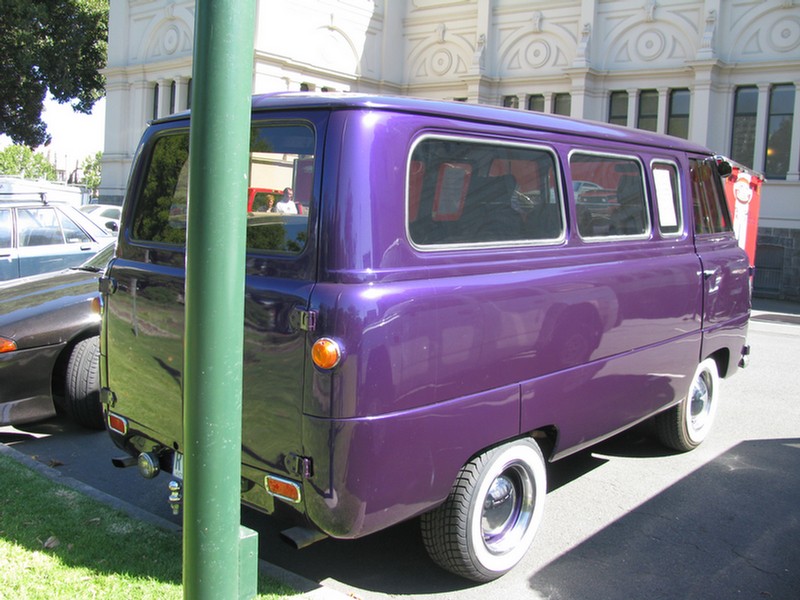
175 496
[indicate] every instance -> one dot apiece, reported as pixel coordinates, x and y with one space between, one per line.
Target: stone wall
777 264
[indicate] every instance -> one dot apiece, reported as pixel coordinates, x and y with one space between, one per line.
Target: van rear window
279 199
465 192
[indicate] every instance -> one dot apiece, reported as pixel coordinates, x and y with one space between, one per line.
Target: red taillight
117 424
7 345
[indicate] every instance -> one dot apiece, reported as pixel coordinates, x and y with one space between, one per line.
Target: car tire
685 426
82 389
489 520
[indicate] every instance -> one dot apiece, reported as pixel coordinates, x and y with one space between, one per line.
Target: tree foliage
55 45
91 172
22 161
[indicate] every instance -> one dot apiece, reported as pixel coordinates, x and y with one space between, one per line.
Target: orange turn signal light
283 488
7 345
326 353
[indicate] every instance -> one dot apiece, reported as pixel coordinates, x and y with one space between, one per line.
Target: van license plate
177 465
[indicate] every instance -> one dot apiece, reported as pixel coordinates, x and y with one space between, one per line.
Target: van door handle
708 274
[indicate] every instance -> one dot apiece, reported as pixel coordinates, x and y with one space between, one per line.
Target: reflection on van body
504 288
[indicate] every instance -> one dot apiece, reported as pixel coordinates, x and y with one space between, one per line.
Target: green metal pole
215 258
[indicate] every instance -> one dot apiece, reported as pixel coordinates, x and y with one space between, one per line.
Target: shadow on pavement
735 535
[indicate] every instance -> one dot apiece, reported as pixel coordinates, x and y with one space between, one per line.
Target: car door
725 267
9 263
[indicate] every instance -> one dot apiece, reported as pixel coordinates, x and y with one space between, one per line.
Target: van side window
464 192
609 195
710 211
668 200
281 163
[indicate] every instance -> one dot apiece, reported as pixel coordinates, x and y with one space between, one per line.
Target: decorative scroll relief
440 63
780 37
163 33
650 45
170 38
532 48
764 29
441 54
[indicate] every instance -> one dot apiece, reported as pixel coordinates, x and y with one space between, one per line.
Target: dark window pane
648 110
618 108
536 102
779 131
743 128
678 122
562 104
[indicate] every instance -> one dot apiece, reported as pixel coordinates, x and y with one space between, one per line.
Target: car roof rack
41 196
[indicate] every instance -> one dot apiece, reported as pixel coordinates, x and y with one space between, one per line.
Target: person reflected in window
286 204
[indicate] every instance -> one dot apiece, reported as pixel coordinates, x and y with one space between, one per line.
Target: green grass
56 543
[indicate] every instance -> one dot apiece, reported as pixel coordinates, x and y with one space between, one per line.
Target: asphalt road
623 520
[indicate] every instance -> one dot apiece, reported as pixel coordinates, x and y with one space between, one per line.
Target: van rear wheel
685 426
490 518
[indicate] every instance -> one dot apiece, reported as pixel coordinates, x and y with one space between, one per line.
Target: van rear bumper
363 482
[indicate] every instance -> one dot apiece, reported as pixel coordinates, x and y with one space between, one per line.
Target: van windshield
280 189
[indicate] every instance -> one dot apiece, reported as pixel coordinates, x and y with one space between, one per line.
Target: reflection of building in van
453 309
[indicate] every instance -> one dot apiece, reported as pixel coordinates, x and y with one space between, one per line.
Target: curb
306 588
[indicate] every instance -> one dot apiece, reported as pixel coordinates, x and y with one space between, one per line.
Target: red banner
743 193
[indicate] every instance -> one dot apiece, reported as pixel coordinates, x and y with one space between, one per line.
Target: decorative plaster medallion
785 35
537 53
171 40
650 44
441 61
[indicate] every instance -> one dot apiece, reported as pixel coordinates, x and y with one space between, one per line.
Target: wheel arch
723 359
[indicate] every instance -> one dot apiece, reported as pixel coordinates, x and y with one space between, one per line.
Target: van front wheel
488 521
685 426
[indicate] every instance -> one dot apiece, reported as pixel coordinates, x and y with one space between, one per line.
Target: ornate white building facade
724 73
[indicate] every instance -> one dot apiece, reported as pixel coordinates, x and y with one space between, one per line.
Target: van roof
467 111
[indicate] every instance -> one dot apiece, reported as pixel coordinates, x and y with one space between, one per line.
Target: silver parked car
37 237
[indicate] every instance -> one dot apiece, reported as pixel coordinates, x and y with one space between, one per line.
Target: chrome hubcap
700 403
507 509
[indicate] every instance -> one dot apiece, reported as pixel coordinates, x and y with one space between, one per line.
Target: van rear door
144 316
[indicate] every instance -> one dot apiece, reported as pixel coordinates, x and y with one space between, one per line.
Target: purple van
466 293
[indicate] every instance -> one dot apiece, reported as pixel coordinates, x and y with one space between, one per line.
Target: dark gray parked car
49 334
37 237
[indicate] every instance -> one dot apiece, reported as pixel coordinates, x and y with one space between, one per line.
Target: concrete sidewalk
776 311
